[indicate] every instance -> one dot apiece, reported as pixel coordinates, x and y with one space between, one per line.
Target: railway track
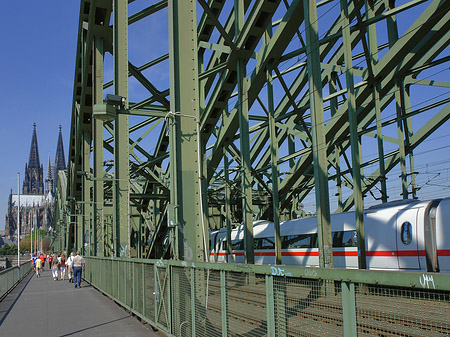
310 312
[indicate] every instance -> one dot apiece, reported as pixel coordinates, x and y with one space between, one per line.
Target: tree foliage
8 250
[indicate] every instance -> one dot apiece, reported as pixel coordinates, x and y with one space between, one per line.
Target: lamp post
18 225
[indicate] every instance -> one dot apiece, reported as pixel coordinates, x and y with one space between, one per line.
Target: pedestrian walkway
43 307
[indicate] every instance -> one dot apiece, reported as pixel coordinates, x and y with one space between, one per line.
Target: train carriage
401 235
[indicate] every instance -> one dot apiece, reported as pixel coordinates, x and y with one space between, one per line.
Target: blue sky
37 65
37 69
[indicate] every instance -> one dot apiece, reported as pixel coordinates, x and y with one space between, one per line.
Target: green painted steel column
409 133
274 168
354 139
373 54
79 227
121 137
318 136
98 235
337 153
391 22
184 141
246 175
401 138
332 84
227 204
86 203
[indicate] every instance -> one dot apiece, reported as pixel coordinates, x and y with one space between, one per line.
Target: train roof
339 221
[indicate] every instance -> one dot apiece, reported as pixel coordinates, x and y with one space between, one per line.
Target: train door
406 232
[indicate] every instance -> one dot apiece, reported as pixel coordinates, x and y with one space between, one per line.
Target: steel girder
369 53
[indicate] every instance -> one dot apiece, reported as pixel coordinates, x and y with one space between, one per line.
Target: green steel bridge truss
195 115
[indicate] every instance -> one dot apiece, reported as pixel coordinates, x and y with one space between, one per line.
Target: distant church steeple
34 172
60 162
49 180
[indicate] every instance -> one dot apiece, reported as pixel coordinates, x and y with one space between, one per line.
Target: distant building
36 204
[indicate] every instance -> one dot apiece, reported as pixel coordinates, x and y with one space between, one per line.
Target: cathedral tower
34 171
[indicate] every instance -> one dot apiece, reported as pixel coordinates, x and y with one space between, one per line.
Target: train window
265 243
344 239
406 233
224 245
237 245
299 241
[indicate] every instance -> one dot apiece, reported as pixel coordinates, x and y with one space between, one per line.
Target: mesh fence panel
149 292
114 279
395 311
208 321
107 273
138 289
122 280
307 307
246 304
301 306
181 292
9 277
129 283
162 297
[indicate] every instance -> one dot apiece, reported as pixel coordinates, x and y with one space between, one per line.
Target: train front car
442 237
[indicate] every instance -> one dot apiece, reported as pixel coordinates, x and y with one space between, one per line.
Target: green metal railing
206 299
10 277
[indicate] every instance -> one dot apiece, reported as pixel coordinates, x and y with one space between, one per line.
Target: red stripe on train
390 253
443 252
377 253
314 253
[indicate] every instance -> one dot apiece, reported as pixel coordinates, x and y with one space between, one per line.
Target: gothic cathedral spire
60 162
34 171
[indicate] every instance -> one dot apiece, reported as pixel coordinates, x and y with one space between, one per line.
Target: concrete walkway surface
42 307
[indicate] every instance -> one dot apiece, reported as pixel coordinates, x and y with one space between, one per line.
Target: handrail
10 277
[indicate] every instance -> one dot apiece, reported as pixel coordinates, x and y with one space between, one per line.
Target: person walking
69 263
55 267
42 257
62 267
33 260
38 265
78 266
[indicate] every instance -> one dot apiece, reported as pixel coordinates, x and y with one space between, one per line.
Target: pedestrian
38 264
78 266
50 259
62 266
69 263
42 257
55 267
33 259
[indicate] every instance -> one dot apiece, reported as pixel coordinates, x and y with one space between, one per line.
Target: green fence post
193 293
270 306
143 289
349 308
223 302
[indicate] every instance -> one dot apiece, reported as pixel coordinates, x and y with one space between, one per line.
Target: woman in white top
69 263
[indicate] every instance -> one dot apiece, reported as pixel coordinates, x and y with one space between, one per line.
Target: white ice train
403 235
